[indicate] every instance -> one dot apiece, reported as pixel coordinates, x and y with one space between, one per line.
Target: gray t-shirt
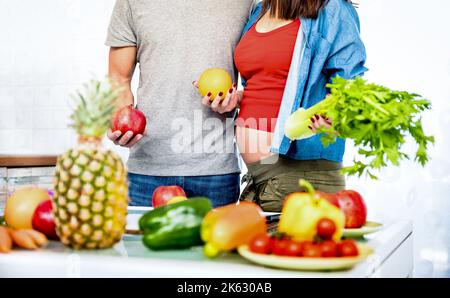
176 41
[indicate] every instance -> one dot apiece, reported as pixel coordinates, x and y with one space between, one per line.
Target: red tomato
311 250
294 249
326 228
329 249
261 244
347 248
280 246
272 241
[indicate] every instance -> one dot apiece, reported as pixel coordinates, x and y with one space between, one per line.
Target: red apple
44 221
163 194
129 119
329 197
353 206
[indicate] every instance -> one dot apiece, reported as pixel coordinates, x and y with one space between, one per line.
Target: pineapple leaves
95 105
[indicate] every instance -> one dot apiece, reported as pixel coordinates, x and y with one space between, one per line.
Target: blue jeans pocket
221 189
139 191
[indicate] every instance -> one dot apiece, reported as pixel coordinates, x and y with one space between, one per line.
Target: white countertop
393 257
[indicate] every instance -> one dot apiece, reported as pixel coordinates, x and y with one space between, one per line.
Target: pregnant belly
253 144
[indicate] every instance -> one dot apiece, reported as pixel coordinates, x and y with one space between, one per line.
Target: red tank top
264 59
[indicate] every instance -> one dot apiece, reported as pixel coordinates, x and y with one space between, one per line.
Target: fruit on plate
175 226
283 246
214 80
347 248
23 238
90 185
294 249
312 250
225 228
279 247
331 198
163 194
326 228
44 220
129 119
329 249
21 205
303 211
353 206
261 244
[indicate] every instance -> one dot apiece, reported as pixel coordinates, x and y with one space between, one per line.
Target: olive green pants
270 180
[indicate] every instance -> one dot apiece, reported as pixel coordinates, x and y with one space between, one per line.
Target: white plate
368 228
133 216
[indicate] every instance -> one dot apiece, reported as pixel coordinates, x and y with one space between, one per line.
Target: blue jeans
221 189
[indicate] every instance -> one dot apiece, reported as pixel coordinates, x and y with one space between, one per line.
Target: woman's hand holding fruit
218 91
222 103
228 104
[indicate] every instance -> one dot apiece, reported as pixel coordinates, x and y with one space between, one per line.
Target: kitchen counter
15 161
393 257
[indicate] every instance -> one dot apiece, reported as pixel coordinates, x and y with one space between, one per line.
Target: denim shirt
327 46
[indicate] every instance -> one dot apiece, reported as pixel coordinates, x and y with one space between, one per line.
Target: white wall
49 47
408 47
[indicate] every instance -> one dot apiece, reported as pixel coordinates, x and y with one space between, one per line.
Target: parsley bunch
377 119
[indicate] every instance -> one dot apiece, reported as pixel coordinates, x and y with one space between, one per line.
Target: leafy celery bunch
376 118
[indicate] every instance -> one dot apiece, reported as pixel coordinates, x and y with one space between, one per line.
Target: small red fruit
347 248
331 198
353 206
329 249
326 228
261 244
280 247
163 194
129 119
311 250
44 221
294 249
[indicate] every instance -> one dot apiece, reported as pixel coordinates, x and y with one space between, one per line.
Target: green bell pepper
175 226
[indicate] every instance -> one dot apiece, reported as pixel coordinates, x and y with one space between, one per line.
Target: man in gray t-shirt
186 143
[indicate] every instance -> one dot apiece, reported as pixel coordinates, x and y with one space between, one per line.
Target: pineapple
91 191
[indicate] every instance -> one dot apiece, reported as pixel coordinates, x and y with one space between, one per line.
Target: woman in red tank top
264 57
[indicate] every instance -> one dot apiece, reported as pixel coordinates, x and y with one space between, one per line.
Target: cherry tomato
326 228
311 250
261 244
273 239
280 246
293 249
329 249
347 248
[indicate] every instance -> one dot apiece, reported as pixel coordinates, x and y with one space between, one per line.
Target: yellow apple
176 200
20 206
